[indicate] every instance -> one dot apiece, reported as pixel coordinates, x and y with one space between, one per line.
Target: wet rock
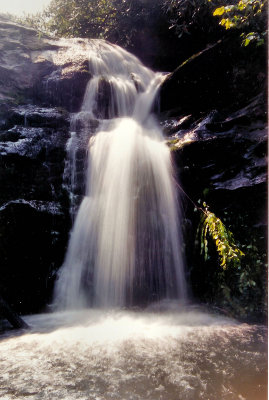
34 116
224 75
221 160
41 206
30 142
64 87
34 206
230 149
33 236
11 316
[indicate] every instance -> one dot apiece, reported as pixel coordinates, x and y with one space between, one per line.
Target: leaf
246 42
227 23
219 11
242 5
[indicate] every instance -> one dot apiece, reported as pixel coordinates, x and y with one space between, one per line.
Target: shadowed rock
14 319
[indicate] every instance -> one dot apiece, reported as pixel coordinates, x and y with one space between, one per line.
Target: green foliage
240 286
124 21
250 37
75 18
245 15
116 20
243 289
186 15
248 16
213 228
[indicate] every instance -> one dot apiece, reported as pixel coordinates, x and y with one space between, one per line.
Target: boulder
40 69
222 76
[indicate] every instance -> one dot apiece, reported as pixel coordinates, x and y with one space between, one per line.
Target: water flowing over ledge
125 246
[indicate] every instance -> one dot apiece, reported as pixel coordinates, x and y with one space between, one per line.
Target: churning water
125 246
133 355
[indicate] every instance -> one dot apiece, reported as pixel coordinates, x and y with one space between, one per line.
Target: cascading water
125 246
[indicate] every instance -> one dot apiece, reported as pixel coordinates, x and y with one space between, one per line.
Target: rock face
40 69
223 76
34 206
41 82
215 115
221 160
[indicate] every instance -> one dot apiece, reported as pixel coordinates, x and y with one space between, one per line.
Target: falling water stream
125 251
125 247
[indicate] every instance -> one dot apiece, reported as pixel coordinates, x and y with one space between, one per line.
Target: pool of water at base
154 354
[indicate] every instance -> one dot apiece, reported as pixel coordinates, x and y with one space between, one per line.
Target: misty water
123 328
134 355
125 247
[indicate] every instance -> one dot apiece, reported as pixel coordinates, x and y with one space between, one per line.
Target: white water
125 246
131 355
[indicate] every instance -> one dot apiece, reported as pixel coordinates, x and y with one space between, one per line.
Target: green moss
190 58
171 143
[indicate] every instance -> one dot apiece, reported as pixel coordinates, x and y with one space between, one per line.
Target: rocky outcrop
221 160
21 63
223 76
40 69
231 148
33 204
214 113
41 82
13 318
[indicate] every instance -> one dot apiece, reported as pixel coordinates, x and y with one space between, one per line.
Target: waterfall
125 245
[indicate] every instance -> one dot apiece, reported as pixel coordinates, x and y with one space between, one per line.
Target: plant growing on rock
212 227
239 285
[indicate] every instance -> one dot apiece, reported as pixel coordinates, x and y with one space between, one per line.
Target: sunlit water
134 355
125 247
